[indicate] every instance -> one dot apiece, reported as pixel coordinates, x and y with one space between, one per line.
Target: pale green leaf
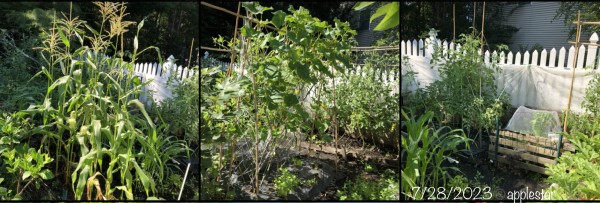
64 38
391 19
26 174
361 5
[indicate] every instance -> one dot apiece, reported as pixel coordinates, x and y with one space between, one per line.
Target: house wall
536 25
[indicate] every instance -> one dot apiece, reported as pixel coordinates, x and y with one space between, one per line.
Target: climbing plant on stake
280 65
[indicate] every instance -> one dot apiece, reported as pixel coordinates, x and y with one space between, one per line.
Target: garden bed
527 151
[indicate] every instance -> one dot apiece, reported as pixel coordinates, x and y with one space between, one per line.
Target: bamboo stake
238 15
474 9
234 37
190 58
482 23
216 49
574 65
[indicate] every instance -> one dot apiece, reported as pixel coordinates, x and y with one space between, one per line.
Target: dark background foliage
171 26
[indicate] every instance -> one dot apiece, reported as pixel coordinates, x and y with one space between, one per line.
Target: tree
590 11
419 17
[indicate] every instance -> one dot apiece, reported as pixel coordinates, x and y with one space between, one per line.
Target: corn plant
424 151
90 105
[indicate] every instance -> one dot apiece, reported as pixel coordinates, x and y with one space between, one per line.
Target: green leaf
128 194
290 99
141 25
60 81
147 182
391 19
277 98
64 38
255 7
361 5
301 71
46 174
26 174
247 32
278 18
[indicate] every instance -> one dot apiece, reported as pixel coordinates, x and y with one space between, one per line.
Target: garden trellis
387 74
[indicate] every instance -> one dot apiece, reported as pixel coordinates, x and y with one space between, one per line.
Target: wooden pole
238 15
234 37
454 21
574 64
474 11
482 23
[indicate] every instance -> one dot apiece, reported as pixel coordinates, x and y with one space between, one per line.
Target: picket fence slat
555 57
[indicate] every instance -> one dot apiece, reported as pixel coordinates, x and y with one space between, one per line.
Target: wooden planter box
527 151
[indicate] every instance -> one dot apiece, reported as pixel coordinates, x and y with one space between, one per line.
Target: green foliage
589 12
591 100
458 181
286 182
297 162
391 11
263 102
540 123
467 83
25 165
89 104
576 175
17 91
424 150
366 106
182 110
385 188
420 16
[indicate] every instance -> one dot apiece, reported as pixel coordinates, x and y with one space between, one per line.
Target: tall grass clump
90 119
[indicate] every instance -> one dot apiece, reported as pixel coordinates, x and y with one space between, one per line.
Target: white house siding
536 25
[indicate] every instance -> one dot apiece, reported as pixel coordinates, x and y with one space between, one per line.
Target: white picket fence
553 59
540 80
159 74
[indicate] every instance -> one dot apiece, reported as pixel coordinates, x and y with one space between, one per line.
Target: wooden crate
527 151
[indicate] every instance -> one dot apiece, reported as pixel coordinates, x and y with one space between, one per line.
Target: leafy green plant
386 188
297 162
575 176
27 166
366 100
467 83
540 123
458 181
286 182
424 151
262 102
182 110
